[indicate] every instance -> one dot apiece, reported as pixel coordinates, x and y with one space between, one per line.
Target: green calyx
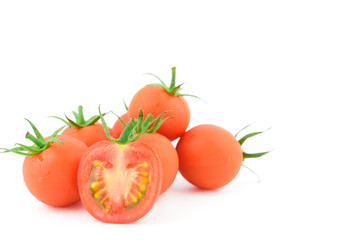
171 89
40 144
244 138
125 105
149 126
135 128
80 121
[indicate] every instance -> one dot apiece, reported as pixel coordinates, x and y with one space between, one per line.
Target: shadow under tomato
71 208
195 190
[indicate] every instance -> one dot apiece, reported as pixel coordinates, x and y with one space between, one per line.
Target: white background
294 66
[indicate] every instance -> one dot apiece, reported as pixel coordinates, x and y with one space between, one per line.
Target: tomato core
117 186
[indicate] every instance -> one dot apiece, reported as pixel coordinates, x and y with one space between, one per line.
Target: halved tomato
119 183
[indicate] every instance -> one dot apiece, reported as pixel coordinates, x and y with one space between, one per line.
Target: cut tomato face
119 183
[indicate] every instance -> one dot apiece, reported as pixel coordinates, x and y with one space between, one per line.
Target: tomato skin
167 154
155 100
118 127
209 156
89 134
104 151
51 176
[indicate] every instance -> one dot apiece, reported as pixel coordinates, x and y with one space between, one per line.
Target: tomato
51 175
89 134
210 157
167 154
87 131
50 166
159 98
119 183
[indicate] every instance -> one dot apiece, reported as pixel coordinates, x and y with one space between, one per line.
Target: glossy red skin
89 135
167 154
155 100
209 156
51 176
135 152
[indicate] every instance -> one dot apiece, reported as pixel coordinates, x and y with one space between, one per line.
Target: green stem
81 119
39 142
172 89
259 179
139 121
125 105
253 155
35 140
247 136
105 128
37 133
135 128
125 135
173 75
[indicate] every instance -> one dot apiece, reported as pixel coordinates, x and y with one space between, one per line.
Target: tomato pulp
119 183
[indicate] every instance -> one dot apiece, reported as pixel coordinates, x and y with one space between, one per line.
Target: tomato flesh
119 183
119 186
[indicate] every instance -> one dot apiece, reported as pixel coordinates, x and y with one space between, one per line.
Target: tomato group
119 183
119 173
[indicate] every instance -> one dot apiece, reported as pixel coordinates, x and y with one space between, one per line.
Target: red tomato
209 156
89 134
167 154
119 183
155 100
51 175
159 98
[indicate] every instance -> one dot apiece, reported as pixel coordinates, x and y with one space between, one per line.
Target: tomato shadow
191 189
76 207
196 190
178 204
